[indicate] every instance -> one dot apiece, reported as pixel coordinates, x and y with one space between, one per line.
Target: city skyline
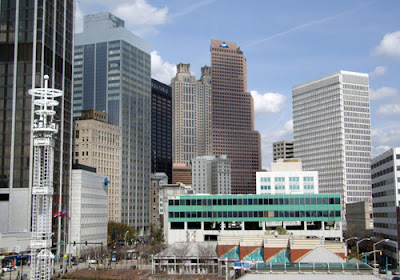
285 45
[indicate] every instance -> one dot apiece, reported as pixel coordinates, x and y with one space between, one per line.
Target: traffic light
380 253
74 243
86 243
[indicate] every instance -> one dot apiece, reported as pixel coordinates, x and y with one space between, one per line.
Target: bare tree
181 249
206 250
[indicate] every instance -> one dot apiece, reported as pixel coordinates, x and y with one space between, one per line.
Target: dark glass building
42 45
161 128
112 74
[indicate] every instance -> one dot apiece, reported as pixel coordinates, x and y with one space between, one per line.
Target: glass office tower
112 74
161 128
42 45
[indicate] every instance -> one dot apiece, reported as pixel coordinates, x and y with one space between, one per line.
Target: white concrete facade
89 209
287 182
386 196
331 128
212 175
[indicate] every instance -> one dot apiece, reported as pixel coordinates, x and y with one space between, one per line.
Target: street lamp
125 237
397 253
358 242
383 240
345 242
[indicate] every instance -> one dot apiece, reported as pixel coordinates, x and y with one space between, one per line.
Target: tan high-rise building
97 144
191 114
233 116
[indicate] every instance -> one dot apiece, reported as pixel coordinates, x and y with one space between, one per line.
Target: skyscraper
112 74
233 116
191 114
161 128
42 45
331 121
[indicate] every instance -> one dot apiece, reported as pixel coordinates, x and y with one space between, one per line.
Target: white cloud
162 71
139 12
383 92
138 15
78 20
384 138
379 71
268 102
389 46
388 110
271 136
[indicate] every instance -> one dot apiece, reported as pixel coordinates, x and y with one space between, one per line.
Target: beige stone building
191 110
98 144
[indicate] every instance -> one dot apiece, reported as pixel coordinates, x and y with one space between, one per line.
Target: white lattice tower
42 188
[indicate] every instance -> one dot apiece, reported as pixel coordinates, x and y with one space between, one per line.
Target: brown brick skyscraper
233 116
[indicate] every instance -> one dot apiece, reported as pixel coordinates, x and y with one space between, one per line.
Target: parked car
395 272
396 278
382 270
8 268
92 261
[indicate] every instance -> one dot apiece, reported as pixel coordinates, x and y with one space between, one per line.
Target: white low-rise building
89 210
287 177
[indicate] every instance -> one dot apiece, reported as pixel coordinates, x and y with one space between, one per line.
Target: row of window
291 179
255 201
254 214
383 161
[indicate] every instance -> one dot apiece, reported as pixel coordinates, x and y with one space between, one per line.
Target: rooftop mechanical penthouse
204 217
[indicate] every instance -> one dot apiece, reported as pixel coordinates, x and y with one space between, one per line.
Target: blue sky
285 43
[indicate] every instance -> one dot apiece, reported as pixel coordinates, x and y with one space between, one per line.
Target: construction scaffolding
43 129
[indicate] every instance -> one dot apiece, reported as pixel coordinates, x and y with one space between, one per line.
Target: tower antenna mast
43 129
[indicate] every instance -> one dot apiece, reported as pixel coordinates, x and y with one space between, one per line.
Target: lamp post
397 252
358 242
383 240
125 237
65 242
345 242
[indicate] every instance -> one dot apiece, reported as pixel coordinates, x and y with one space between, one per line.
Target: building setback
97 144
233 115
112 74
331 123
42 46
191 114
385 170
161 128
